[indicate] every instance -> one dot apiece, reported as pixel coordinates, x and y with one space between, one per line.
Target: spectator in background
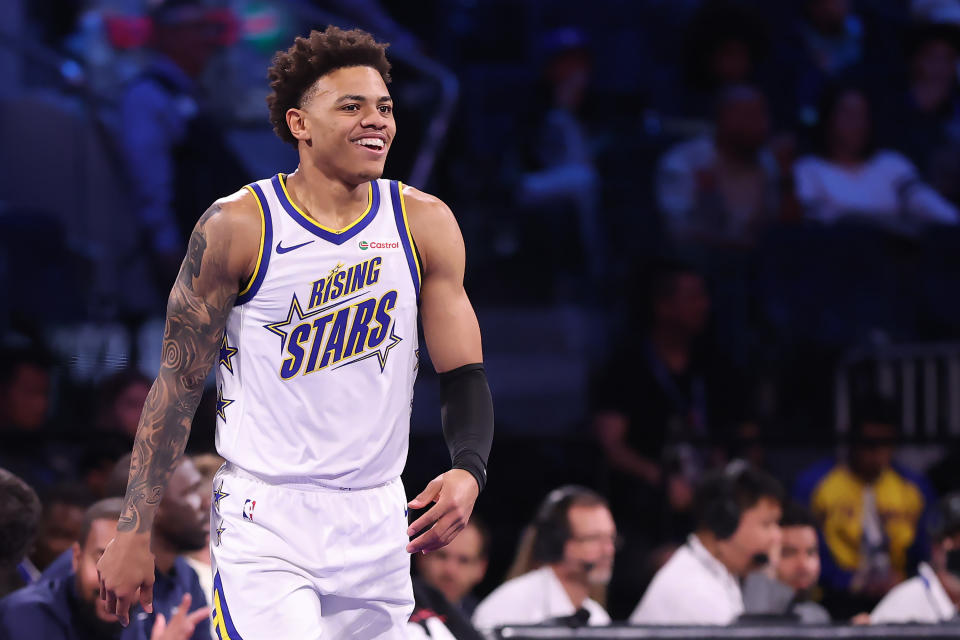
722 190
785 586
934 593
565 173
850 177
872 512
737 514
659 399
573 545
176 155
24 390
69 607
207 465
19 521
829 42
121 399
458 567
926 125
26 397
723 47
435 617
180 526
60 524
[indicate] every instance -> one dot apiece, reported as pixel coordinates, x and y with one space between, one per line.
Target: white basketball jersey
317 364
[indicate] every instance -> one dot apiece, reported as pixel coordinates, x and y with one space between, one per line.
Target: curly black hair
295 70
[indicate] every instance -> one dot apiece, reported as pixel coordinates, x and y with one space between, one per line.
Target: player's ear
297 122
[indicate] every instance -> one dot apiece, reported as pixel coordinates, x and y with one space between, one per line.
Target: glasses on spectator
597 538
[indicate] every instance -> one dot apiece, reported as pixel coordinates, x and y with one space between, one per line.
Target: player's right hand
182 623
126 572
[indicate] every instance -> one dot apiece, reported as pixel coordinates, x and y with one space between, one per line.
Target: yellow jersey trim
283 185
406 224
263 235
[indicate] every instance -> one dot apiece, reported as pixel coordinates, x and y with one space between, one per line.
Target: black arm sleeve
467 416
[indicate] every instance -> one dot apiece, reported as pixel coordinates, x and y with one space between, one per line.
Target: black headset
551 525
716 500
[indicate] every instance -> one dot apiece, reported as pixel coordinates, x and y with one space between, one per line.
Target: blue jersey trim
223 611
315 228
266 248
405 237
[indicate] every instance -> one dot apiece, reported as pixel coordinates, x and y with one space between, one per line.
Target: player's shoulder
237 213
421 204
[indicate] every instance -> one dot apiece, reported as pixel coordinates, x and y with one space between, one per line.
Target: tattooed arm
221 252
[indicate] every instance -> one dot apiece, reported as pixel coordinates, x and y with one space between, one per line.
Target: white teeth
375 143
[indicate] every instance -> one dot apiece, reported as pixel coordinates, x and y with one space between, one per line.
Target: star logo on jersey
226 353
220 531
218 495
381 356
295 315
222 403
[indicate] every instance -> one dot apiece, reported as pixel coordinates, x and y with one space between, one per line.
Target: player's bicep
449 325
449 322
200 300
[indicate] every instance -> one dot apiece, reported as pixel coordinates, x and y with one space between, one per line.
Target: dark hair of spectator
71 495
19 518
797 515
481 526
715 24
12 359
740 490
106 509
873 408
295 70
829 101
654 282
922 33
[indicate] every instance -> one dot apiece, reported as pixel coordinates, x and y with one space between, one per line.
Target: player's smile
372 142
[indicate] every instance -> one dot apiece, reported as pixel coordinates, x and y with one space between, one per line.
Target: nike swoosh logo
289 249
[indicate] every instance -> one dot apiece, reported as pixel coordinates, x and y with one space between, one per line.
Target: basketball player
303 290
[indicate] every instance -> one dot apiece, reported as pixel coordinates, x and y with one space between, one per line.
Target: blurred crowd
688 215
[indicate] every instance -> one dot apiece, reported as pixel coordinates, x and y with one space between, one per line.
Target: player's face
456 568
592 543
758 533
85 560
181 518
799 565
348 124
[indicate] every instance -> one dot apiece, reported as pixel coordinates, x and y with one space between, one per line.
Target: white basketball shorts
306 562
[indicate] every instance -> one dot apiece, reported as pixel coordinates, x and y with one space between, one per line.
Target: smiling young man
304 291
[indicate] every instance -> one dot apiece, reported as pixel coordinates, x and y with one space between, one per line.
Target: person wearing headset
574 541
933 595
737 513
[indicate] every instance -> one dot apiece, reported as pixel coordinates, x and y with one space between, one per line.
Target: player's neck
328 200
164 553
575 589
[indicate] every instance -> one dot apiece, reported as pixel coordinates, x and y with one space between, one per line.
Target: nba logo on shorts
248 509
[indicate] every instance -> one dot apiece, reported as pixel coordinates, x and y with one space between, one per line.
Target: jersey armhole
266 243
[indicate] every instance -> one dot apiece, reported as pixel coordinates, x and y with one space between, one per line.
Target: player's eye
385 108
351 107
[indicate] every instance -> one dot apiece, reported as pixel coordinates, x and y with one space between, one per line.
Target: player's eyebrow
356 98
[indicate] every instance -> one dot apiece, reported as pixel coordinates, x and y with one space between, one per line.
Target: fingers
426 520
158 627
198 616
428 495
439 535
123 609
110 601
183 607
146 596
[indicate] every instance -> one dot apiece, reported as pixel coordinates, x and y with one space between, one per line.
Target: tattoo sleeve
197 310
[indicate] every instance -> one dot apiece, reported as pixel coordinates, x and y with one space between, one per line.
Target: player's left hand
454 493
